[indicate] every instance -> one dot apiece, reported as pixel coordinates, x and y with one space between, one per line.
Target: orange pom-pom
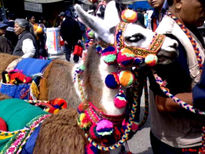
129 15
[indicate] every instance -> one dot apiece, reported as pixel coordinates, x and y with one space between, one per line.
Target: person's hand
65 42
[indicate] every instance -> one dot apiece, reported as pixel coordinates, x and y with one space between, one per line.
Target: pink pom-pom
125 57
104 127
120 100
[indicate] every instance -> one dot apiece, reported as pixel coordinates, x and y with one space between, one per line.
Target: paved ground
140 143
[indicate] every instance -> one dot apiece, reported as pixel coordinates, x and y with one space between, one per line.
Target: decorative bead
109 55
104 128
125 57
83 121
126 78
120 100
129 15
112 80
151 60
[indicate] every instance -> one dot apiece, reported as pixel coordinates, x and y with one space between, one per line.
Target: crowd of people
27 38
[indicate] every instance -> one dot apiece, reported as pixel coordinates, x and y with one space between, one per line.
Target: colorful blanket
22 118
31 66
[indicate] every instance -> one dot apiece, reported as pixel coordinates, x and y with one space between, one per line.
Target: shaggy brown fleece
60 134
59 82
5 60
91 77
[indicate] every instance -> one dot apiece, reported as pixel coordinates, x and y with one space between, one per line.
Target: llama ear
98 25
111 14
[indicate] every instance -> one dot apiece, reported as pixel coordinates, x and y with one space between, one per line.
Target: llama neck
108 94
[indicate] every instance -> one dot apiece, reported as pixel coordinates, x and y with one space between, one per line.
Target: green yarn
18 113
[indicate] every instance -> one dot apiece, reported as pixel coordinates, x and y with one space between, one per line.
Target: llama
61 133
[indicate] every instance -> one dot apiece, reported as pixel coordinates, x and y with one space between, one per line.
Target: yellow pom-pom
129 15
151 60
83 121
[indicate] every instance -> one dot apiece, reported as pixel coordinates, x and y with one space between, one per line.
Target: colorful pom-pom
81 107
104 128
3 125
138 61
99 49
83 121
129 15
126 78
125 57
90 34
109 55
112 80
151 60
120 100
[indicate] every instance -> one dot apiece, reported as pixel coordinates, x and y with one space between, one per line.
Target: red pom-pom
3 125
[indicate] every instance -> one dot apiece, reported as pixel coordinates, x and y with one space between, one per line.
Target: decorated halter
106 130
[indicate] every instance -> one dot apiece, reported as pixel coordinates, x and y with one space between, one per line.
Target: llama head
134 35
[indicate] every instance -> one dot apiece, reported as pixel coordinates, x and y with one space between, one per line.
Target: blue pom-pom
138 61
112 80
99 49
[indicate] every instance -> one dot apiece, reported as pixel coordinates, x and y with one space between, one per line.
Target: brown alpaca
60 133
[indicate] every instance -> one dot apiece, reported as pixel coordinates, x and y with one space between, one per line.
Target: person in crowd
10 35
26 45
62 17
71 33
32 19
174 130
5 44
160 7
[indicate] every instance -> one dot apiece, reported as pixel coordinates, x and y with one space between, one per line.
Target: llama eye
134 38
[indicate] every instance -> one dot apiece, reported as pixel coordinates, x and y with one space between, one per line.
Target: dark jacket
18 48
70 31
5 45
